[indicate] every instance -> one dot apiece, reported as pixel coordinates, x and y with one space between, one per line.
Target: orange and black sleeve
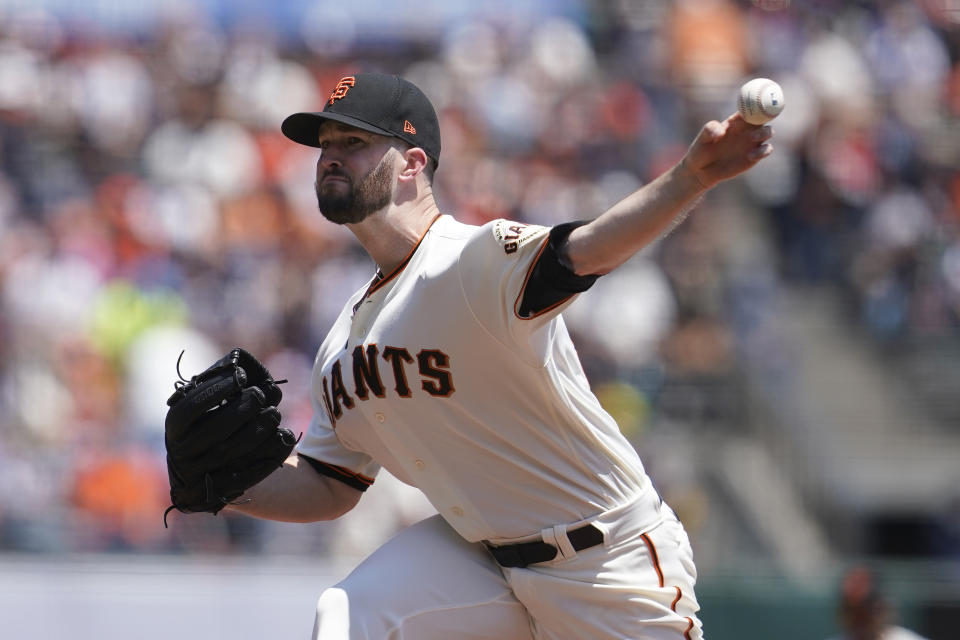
350 478
551 281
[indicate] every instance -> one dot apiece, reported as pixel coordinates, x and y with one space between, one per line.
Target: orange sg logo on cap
342 87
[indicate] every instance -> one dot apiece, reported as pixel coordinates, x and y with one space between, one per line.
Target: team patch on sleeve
514 235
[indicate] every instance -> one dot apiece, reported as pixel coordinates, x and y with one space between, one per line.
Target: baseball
761 100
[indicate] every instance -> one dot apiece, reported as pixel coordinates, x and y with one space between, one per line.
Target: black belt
524 553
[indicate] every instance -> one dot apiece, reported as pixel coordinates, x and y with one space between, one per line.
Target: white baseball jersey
431 373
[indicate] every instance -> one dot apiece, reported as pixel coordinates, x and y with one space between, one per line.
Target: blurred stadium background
787 362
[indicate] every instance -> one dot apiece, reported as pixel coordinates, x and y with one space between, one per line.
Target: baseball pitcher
453 369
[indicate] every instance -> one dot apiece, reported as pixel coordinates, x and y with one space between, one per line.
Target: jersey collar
379 279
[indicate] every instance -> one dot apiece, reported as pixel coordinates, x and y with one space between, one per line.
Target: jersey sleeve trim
353 479
549 282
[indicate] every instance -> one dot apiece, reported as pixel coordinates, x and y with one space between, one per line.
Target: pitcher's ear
416 162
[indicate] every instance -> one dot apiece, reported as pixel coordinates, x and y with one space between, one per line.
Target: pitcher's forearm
297 493
633 223
720 151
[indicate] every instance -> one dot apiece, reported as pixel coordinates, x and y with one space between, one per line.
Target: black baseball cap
375 102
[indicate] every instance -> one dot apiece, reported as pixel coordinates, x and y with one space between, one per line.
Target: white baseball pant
428 583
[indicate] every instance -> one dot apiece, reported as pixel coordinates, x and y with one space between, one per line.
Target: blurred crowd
149 205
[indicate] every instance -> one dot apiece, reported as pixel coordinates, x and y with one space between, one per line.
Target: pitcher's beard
369 195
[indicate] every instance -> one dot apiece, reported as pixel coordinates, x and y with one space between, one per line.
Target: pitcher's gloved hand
223 433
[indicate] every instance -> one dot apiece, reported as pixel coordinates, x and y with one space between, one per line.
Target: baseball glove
223 433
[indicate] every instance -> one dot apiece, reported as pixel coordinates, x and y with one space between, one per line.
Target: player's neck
389 236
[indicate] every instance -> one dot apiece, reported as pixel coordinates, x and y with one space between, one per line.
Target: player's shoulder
446 227
508 236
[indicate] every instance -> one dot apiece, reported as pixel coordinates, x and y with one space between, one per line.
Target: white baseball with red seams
761 100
